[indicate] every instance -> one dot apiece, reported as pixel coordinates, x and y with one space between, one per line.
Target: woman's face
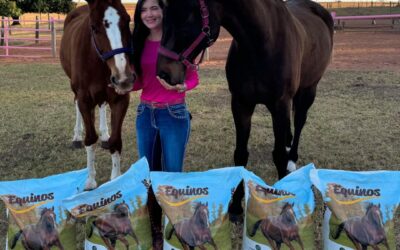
151 14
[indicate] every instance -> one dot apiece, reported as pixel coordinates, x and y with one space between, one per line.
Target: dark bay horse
115 226
41 236
94 53
365 231
194 232
279 53
280 229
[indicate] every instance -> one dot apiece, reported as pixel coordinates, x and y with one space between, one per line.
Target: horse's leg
124 241
242 114
280 112
107 242
58 244
302 101
118 111
132 233
103 127
298 239
87 111
78 129
212 242
289 244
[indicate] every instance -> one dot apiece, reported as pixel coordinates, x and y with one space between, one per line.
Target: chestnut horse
42 235
95 50
365 231
279 53
195 231
115 226
280 229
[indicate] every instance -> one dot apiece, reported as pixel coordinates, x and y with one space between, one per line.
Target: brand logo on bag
39 199
194 192
83 209
265 191
347 192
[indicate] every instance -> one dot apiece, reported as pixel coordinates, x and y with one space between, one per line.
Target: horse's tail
338 231
170 233
255 227
15 239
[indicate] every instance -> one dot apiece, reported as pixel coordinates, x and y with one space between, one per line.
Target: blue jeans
162 135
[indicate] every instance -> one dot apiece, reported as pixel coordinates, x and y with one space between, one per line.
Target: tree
9 8
55 6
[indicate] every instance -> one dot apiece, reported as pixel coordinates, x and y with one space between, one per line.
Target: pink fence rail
339 20
28 38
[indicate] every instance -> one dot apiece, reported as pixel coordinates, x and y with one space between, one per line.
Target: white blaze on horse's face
111 24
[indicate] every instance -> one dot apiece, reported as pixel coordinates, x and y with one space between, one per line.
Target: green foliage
55 6
9 8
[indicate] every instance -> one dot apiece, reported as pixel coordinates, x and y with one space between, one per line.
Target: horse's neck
286 219
196 220
371 220
253 22
47 226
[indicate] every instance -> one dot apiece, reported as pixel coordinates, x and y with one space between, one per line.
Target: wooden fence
39 37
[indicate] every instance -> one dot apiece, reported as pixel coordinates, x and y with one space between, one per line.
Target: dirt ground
353 50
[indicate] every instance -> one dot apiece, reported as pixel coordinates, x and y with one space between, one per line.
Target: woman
163 121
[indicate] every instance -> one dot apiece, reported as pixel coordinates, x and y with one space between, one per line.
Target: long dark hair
140 33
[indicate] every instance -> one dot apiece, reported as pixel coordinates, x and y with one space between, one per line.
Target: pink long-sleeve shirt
152 90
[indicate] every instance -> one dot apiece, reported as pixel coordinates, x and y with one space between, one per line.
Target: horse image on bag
114 226
365 231
94 53
195 231
280 229
280 51
42 235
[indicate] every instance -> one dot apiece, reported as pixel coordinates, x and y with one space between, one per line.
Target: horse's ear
52 208
379 205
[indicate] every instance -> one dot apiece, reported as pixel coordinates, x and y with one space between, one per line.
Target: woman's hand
179 87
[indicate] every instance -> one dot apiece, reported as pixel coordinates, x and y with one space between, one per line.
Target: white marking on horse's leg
291 166
116 165
288 149
103 123
78 124
111 17
91 181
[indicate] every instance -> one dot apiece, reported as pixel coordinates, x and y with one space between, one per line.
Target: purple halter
107 55
205 33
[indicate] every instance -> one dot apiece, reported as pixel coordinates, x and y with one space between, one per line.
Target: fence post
37 30
48 20
9 25
6 34
2 32
53 37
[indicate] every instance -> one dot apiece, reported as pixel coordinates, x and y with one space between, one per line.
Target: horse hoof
90 185
77 144
105 145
